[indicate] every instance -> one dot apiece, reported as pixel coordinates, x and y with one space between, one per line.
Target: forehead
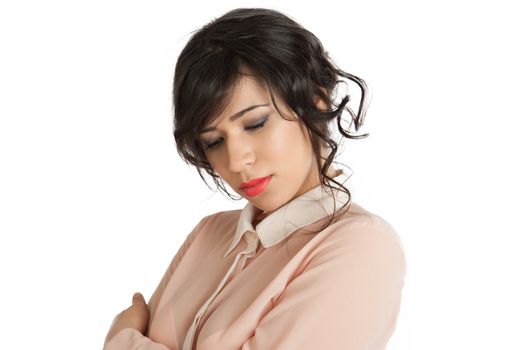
247 91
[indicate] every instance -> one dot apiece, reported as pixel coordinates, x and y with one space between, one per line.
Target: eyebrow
234 117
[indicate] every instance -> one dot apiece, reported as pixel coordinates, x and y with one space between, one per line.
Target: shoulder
220 219
362 237
359 222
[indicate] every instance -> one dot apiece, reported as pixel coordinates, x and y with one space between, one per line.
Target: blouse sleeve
347 297
130 338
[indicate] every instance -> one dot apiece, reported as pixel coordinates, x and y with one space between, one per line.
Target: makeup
256 186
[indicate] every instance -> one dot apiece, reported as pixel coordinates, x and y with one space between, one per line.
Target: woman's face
260 143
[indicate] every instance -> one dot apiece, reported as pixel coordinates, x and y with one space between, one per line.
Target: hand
136 316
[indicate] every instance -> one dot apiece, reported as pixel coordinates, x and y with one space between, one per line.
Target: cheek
217 164
285 143
275 143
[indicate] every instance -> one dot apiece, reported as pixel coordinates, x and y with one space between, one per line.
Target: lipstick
255 186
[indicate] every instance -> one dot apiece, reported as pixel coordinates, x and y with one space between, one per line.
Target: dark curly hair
283 55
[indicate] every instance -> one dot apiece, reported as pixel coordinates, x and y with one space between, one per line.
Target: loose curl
280 53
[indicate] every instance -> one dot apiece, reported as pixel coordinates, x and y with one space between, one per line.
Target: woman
301 266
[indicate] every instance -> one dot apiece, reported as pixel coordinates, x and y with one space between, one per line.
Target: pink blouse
285 285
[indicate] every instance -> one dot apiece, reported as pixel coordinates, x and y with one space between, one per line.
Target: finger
138 299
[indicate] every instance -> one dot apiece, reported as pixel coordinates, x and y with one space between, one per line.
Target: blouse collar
303 210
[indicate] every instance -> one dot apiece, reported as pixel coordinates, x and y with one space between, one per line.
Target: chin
268 206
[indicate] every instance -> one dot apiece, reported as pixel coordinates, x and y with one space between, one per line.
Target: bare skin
239 152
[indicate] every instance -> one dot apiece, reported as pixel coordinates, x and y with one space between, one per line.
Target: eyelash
249 128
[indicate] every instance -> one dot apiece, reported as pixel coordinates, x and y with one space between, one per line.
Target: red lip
253 182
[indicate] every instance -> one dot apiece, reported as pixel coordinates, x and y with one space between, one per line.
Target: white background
94 200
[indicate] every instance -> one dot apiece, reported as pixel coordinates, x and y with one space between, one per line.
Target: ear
319 102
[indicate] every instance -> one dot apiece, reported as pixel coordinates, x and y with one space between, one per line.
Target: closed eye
256 126
214 143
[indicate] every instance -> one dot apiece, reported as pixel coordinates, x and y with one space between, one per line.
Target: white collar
303 210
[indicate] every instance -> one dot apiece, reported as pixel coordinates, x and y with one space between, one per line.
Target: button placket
252 244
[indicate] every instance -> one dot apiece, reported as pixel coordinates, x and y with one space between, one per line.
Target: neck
259 216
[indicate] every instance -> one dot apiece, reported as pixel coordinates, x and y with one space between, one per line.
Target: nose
240 153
